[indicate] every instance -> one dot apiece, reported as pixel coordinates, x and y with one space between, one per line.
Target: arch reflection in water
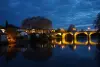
74 41
73 46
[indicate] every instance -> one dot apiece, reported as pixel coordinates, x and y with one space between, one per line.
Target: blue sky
60 12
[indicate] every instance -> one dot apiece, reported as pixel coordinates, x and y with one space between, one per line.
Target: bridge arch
66 36
75 37
93 37
69 37
81 33
82 37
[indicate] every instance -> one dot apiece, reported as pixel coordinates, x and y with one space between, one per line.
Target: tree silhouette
58 30
6 24
97 22
71 27
97 26
1 27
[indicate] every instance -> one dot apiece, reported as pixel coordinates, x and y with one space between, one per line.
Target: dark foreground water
49 57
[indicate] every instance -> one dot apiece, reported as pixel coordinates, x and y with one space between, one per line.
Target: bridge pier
74 38
88 37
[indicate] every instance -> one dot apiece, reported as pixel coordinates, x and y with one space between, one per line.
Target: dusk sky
82 13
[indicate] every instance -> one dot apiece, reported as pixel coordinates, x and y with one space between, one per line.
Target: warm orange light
26 31
10 39
74 28
62 47
74 47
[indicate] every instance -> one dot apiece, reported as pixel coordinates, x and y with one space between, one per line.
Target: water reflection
49 54
38 49
98 50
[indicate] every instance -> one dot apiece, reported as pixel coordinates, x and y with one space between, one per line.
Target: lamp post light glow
89 28
62 47
74 29
74 47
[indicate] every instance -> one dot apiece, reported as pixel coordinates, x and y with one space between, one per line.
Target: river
49 57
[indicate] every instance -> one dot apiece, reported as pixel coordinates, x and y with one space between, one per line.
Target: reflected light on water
10 39
74 47
89 48
62 47
75 42
10 47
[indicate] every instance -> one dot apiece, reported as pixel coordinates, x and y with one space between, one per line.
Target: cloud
85 25
14 3
61 12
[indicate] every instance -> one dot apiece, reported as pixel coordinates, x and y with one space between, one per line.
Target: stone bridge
88 35
74 35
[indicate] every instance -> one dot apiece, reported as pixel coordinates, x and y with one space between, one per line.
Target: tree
60 30
97 26
1 27
6 24
72 28
97 22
